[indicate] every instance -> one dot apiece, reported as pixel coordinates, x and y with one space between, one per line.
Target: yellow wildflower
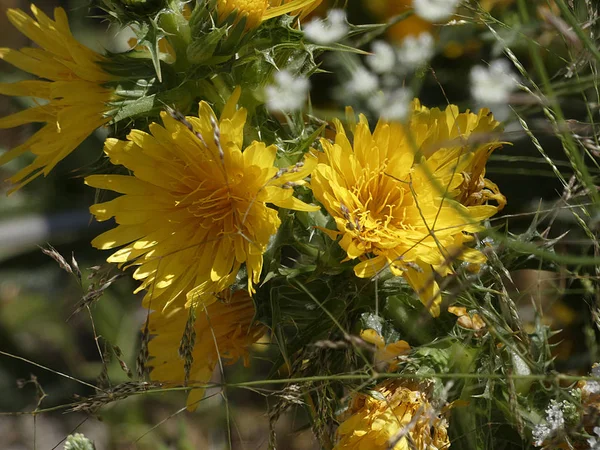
385 354
70 80
223 330
257 11
395 417
402 196
441 137
195 208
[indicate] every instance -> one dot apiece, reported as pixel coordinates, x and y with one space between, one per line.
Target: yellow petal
424 284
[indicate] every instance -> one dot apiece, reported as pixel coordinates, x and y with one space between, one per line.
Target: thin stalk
557 116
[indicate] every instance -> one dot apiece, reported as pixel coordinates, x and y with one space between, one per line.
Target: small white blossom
383 58
415 51
555 422
593 387
492 86
327 31
540 433
362 83
393 106
288 93
435 10
594 442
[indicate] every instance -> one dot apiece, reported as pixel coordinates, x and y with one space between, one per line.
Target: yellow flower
385 354
257 11
195 208
388 418
70 81
223 330
402 196
438 129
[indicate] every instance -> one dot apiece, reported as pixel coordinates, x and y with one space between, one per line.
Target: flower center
381 210
253 10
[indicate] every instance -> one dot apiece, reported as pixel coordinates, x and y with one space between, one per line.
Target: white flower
492 86
593 387
540 433
594 442
555 422
362 83
327 31
393 106
383 58
435 10
288 93
416 51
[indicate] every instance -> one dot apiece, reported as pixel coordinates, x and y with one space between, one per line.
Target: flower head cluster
222 330
493 85
435 10
288 93
362 83
70 79
554 423
594 441
416 51
382 58
394 417
392 106
592 388
327 31
195 208
407 197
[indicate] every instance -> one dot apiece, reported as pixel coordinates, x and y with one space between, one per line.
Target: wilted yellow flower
474 322
402 197
195 208
222 330
70 80
385 354
386 418
257 11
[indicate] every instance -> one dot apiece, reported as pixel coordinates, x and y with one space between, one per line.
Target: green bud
202 49
78 441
